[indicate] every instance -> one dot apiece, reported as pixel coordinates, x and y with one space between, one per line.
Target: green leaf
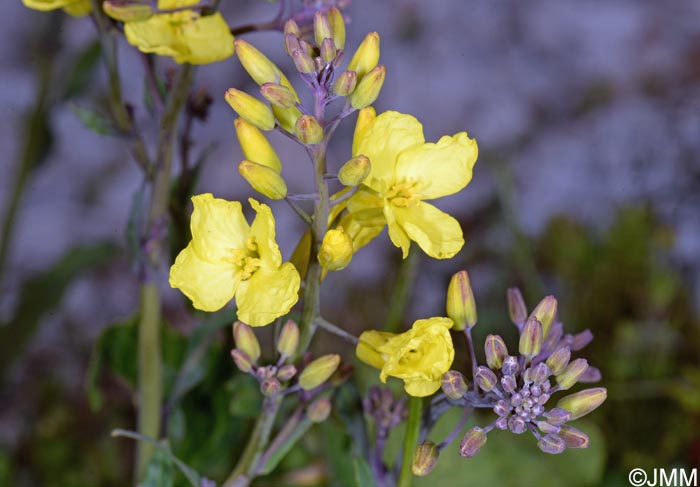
82 70
94 121
160 471
363 473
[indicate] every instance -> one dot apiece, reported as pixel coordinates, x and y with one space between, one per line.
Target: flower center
403 194
247 260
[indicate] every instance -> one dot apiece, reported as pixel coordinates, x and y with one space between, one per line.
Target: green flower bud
337 25
516 306
496 351
270 387
558 361
303 61
246 341
355 171
125 11
368 88
250 109
531 338
582 403
242 360
545 312
264 180
366 57
319 410
256 64
278 95
322 29
318 371
425 458
308 130
286 372
572 373
461 307
453 384
288 339
345 83
328 51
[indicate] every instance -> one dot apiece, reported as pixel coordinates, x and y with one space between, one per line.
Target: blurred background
587 116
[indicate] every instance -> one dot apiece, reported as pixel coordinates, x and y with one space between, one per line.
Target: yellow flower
419 356
406 171
227 257
72 7
186 36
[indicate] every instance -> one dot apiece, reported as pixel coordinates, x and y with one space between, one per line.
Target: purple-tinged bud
557 416
292 28
453 384
540 373
246 341
501 408
559 360
545 312
496 351
425 458
592 374
510 365
345 83
531 338
368 88
485 378
319 410
542 399
516 306
501 423
308 130
288 339
355 171
303 61
291 44
537 409
580 340
546 427
318 371
461 306
554 336
286 372
508 383
527 375
574 438
551 444
270 387
242 360
472 442
516 399
264 373
571 374
278 95
582 403
517 425
328 51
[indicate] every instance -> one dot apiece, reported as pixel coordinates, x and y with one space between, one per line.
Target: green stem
402 291
415 411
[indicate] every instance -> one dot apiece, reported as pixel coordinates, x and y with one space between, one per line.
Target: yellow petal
46 5
218 227
210 286
436 232
263 229
207 40
422 388
267 295
365 117
360 233
397 234
439 169
79 8
368 346
383 140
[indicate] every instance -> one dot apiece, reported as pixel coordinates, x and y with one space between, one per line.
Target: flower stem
331 328
415 412
472 355
402 291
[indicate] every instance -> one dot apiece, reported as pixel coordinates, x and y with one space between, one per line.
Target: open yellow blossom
72 7
185 35
419 356
405 172
227 257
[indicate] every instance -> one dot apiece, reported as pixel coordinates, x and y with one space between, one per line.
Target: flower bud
292 28
255 145
303 61
509 384
250 109
366 57
125 11
557 416
286 372
510 365
336 250
368 88
545 312
337 25
246 341
580 340
308 130
571 374
461 307
328 51
485 378
291 43
516 306
556 331
242 360
582 403
345 83
472 442
322 29
496 351
270 387
453 384
355 171
319 410
558 361
574 438
551 444
264 180
288 339
256 64
425 458
540 373
365 118
592 374
318 371
517 425
531 338
548 428
278 95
